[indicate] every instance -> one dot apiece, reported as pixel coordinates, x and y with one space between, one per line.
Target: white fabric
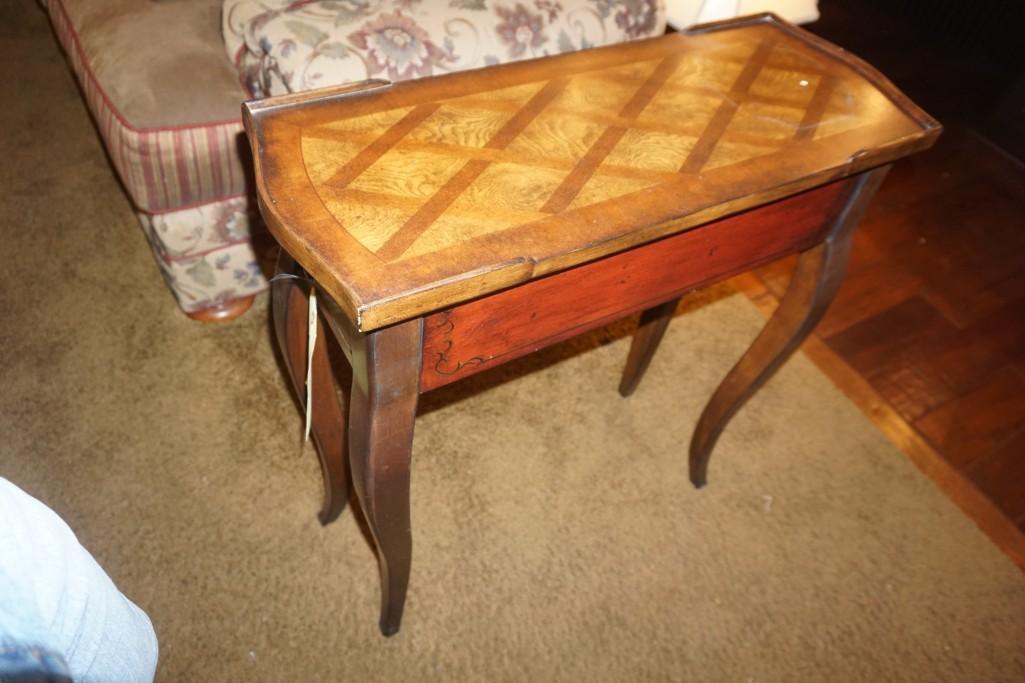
684 13
54 595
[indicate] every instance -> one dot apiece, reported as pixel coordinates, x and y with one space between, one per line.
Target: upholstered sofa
164 80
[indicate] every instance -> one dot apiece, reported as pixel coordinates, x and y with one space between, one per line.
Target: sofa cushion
284 46
164 97
161 64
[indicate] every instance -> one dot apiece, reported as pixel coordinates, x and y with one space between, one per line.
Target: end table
454 223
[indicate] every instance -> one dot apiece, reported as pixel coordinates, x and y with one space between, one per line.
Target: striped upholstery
163 168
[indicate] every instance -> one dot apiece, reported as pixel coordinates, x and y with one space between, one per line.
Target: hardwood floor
927 333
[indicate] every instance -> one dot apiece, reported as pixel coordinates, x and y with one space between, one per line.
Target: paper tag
311 335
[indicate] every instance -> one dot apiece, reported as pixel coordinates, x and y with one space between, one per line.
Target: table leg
382 410
819 272
289 305
646 339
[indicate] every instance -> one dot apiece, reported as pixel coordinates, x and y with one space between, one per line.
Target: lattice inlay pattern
409 198
415 180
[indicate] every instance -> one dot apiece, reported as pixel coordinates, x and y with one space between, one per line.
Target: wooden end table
455 223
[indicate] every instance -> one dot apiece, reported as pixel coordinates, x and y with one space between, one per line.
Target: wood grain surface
480 334
406 199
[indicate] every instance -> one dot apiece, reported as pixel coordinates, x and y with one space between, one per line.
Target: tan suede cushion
160 63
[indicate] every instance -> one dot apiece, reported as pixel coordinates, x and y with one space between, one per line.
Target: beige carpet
556 536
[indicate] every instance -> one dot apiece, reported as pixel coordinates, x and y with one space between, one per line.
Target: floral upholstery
283 46
206 253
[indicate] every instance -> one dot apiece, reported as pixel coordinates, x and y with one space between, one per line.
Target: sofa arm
315 44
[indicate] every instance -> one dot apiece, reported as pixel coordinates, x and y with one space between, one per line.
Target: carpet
556 536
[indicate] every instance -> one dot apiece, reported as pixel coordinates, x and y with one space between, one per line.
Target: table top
405 198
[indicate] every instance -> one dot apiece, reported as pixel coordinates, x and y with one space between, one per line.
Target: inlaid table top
407 198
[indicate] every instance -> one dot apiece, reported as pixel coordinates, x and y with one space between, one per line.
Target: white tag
311 335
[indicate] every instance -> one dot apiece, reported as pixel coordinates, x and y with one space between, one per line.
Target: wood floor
928 331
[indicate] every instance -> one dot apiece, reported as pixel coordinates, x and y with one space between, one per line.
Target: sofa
164 80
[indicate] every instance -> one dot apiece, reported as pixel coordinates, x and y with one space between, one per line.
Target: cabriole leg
385 391
819 272
646 339
289 306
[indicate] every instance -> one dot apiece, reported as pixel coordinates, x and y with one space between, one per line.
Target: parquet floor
928 331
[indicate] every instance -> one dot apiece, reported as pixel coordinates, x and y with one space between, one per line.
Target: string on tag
311 335
278 277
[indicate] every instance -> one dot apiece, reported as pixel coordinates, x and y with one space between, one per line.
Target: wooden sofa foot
222 313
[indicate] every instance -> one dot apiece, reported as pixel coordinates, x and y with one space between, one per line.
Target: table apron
486 332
